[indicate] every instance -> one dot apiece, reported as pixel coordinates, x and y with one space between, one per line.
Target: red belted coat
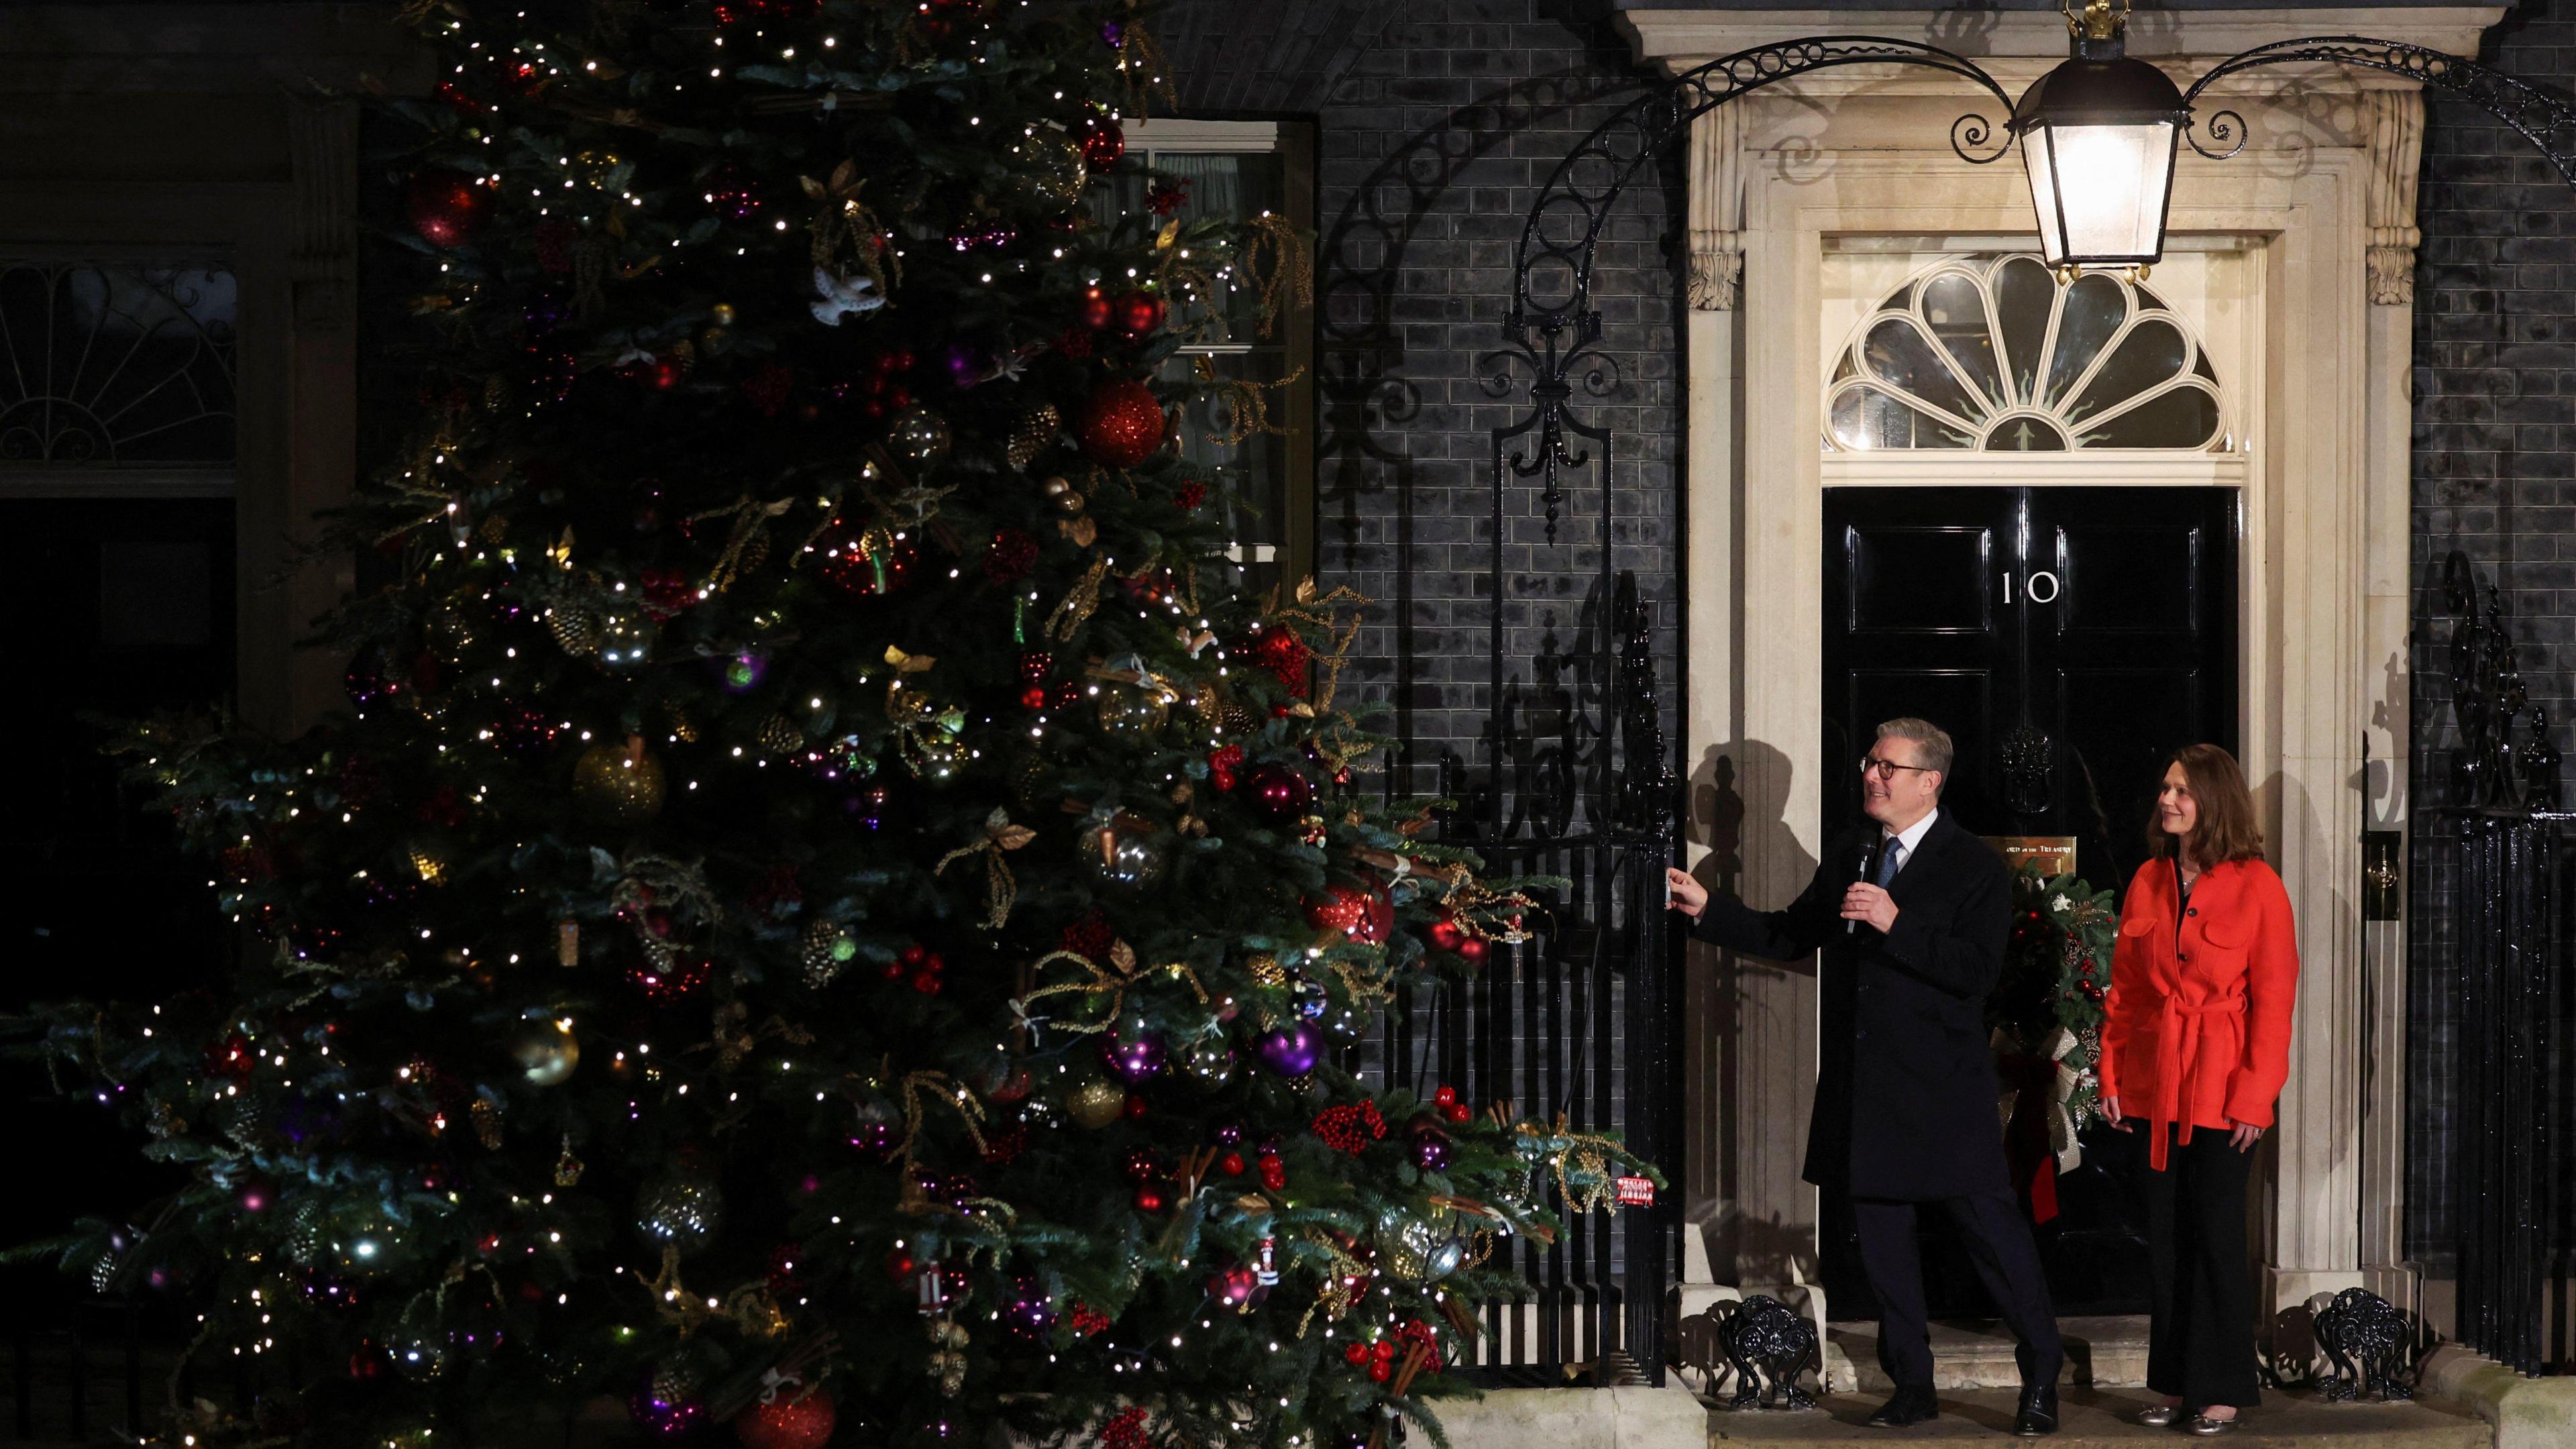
2198 1032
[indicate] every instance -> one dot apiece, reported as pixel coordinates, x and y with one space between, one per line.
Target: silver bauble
1209 1060
1126 854
920 436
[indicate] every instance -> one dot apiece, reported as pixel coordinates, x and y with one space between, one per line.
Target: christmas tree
830 911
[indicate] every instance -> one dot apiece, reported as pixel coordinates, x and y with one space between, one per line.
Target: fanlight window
114 364
1992 354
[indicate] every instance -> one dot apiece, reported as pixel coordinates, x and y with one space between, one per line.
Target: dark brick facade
1437 122
2495 478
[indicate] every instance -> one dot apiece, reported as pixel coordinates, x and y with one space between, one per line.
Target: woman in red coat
2195 1049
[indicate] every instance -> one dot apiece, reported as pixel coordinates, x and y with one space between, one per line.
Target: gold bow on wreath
1000 890
2054 1049
1588 1156
1110 981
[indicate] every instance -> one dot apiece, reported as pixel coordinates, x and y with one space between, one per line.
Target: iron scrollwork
2487 697
1770 1347
2365 1338
2544 120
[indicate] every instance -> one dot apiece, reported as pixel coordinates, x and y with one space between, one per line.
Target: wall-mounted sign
2050 855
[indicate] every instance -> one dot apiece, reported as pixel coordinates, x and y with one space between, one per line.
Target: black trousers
1998 1242
2200 1343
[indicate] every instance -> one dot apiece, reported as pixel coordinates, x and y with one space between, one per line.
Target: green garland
2057 970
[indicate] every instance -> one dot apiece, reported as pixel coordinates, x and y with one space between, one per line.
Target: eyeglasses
1886 769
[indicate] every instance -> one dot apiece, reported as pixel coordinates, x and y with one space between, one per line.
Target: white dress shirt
1903 843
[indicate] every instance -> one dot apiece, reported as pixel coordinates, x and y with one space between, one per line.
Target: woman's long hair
2224 828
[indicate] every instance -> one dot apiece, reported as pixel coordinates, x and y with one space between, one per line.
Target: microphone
1860 873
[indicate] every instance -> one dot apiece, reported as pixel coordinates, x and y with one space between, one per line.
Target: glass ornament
626 636
919 437
1126 852
546 1051
1132 711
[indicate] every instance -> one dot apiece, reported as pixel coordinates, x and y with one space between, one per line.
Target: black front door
2069 639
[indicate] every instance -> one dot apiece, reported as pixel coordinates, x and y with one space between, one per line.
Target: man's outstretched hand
1685 894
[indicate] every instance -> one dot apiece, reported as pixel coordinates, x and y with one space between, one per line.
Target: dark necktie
1883 869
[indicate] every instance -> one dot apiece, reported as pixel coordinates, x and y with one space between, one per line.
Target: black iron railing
2510 877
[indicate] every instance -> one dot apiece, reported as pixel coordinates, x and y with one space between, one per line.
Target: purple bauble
966 365
1291 1051
1132 1059
1280 792
1431 1151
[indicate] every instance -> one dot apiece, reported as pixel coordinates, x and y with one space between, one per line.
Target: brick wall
1437 121
2495 477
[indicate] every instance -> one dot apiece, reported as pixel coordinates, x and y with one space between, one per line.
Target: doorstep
1978 1354
2100 1416
2525 1413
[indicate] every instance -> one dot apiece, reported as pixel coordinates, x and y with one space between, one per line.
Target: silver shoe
2159 1416
2205 1426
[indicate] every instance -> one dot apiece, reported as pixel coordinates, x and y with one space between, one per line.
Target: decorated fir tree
829 904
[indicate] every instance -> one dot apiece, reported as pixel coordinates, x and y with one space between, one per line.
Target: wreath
2045 1023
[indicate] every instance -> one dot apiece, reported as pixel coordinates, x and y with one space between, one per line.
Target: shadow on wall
1368 397
1730 997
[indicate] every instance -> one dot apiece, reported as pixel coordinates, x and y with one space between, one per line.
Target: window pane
1220 432
1216 185
116 365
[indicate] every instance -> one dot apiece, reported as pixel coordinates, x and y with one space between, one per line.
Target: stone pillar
2396 119
321 381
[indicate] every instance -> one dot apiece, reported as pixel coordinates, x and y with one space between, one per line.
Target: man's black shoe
2038 1411
1906 1406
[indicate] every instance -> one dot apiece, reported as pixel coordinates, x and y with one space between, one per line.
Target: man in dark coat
1911 913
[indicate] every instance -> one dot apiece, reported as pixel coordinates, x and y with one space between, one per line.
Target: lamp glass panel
2100 190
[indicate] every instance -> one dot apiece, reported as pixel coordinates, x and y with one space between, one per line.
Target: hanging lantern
2098 135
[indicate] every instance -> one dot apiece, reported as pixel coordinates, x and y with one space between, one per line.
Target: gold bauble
623 782
1096 1103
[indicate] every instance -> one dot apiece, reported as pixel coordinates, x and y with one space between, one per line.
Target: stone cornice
109 48
2018 46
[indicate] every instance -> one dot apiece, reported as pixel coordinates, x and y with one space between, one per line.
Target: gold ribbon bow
1000 890
936 1087
1111 981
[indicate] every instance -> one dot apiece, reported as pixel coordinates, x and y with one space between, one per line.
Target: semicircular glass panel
1991 353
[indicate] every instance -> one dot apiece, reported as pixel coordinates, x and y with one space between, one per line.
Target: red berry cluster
1416 1330
1090 936
1350 1127
881 390
1167 197
1088 1320
1127 1431
921 965
1010 557
1448 1105
1285 655
1222 764
1190 495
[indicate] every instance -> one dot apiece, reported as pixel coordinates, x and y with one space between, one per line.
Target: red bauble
1140 313
785 1423
1280 792
446 207
1122 424
1135 1107
1472 950
1034 697
1231 1164
1095 308
1444 934
1354 910
1102 143
899 1264
1149 1199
